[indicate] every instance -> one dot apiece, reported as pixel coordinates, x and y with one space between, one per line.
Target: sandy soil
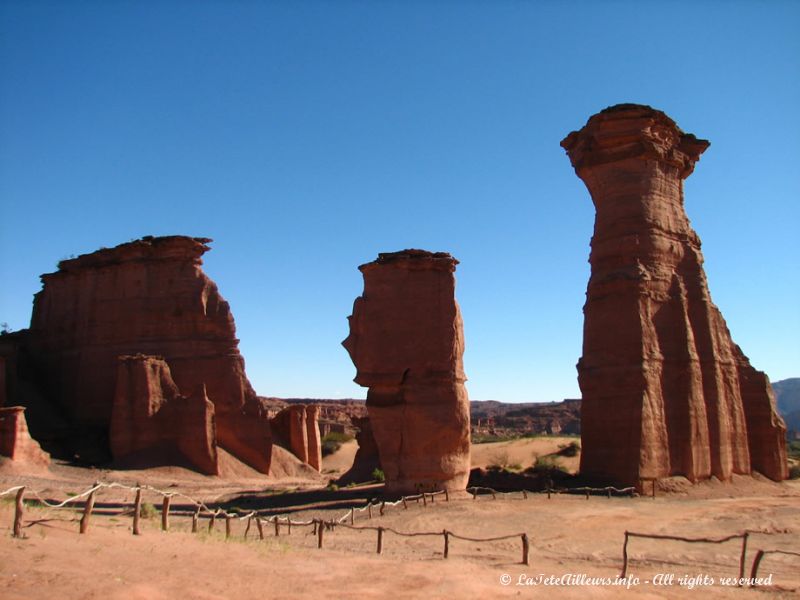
336 464
524 452
569 536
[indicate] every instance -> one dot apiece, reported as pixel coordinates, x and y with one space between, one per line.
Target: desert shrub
333 441
794 472
332 487
148 511
545 464
570 449
378 475
499 460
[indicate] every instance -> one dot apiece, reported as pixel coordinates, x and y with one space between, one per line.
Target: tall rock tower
406 341
665 389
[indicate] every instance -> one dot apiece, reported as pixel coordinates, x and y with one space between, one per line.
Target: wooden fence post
474 493
227 526
424 500
320 529
446 535
383 507
137 510
195 518
587 493
87 511
352 515
277 527
608 489
369 508
211 522
624 558
165 513
19 507
524 494
754 571
494 495
741 559
260 528
548 490
405 504
446 495
247 529
289 525
525 549
380 540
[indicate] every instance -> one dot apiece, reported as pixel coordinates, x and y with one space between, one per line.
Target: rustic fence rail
202 509
656 536
757 562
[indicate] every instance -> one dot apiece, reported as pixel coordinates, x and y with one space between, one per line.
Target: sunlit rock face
665 389
150 297
406 341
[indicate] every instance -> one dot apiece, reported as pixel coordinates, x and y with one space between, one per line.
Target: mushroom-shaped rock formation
665 389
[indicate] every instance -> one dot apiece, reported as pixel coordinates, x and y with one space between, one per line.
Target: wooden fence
319 526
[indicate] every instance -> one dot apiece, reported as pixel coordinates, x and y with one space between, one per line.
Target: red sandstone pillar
659 374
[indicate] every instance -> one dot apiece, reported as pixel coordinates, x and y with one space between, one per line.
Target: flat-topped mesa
406 341
149 296
665 390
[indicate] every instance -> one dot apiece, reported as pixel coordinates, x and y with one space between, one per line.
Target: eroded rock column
665 389
16 442
149 296
406 341
153 424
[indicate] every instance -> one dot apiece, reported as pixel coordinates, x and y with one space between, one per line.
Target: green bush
378 475
148 511
333 441
570 449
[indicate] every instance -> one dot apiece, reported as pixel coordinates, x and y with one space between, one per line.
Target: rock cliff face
149 296
665 390
152 423
15 441
367 457
406 341
296 427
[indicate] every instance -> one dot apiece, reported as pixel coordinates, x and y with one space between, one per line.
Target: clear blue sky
306 137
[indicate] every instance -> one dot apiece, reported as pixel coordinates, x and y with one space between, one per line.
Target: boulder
665 389
15 441
406 341
151 297
153 424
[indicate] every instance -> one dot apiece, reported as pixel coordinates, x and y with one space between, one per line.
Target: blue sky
306 137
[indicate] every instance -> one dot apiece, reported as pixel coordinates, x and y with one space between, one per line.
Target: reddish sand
569 535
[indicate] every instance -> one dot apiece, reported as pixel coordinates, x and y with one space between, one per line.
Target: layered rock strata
296 427
152 297
16 442
406 341
153 423
665 389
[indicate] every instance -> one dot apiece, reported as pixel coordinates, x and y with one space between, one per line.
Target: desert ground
572 539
